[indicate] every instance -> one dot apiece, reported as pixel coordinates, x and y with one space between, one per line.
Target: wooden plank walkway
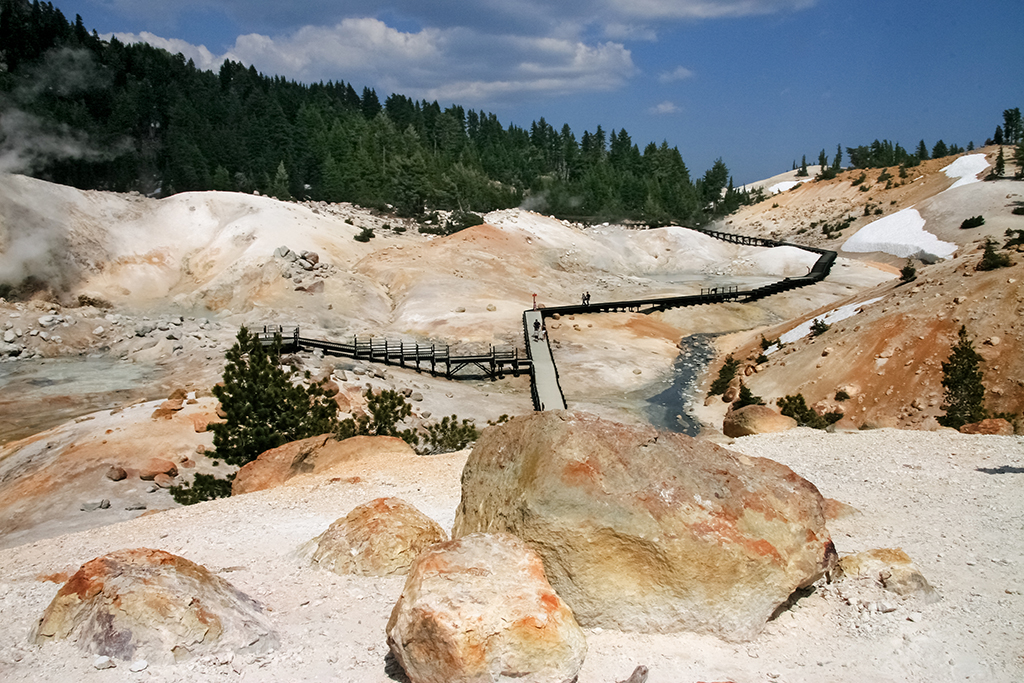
547 392
538 360
436 359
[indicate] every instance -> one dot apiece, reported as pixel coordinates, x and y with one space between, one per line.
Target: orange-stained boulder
479 610
755 420
378 538
153 605
643 530
316 454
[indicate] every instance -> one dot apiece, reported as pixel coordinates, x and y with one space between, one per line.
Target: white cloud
665 107
452 64
203 58
680 73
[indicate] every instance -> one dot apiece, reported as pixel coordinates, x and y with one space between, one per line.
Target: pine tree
961 378
279 187
264 408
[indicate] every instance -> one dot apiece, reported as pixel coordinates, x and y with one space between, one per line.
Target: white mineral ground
181 275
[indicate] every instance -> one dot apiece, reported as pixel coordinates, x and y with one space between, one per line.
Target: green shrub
841 395
387 408
365 236
992 259
204 487
819 327
1018 211
908 273
725 375
747 398
859 179
796 408
972 222
1016 236
449 435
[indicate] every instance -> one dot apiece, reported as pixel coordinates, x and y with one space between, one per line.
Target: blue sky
757 82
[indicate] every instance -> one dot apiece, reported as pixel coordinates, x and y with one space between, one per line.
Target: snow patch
783 186
900 234
833 316
966 169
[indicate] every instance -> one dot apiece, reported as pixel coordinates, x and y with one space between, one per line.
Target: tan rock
163 481
317 454
643 530
150 604
116 473
891 568
201 421
755 420
331 388
994 425
155 466
378 538
479 609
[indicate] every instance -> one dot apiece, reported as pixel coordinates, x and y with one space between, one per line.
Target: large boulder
378 538
316 455
755 419
153 605
479 609
644 530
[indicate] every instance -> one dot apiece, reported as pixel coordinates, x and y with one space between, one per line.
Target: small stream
667 410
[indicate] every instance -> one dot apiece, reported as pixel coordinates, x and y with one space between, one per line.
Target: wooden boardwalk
436 359
538 360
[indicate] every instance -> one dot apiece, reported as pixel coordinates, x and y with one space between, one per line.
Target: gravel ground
952 501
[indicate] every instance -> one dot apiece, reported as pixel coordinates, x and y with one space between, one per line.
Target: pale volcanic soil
167 283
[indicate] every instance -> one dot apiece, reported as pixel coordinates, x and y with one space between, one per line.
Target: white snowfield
900 234
966 169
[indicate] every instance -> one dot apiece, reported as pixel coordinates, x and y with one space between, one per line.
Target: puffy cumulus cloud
458 64
663 108
680 73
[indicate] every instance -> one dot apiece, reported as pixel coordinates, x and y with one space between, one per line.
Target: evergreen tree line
162 126
883 153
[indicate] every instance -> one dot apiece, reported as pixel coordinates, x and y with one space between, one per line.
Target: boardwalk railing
538 361
437 359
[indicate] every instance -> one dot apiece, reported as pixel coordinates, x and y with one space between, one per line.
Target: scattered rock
116 473
94 505
643 530
152 604
379 538
755 419
103 662
479 609
163 481
155 466
891 568
994 425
